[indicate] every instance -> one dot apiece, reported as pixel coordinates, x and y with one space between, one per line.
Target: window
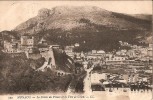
58 74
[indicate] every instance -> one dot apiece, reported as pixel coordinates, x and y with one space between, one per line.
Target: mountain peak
70 17
44 12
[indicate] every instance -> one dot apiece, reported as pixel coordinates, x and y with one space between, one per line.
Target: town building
110 60
133 78
27 40
69 51
150 50
144 52
76 44
85 64
97 55
12 46
96 77
54 46
28 43
42 41
43 48
121 52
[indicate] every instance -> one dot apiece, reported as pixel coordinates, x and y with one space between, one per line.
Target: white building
96 77
96 54
54 46
69 51
131 53
150 50
76 44
115 59
121 52
11 47
85 64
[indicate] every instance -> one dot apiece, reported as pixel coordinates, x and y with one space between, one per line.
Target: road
43 66
87 80
48 56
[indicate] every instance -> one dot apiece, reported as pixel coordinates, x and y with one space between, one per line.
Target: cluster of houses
26 43
32 43
134 61
35 48
109 80
137 53
137 56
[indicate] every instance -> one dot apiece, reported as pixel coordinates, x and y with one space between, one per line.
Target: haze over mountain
66 25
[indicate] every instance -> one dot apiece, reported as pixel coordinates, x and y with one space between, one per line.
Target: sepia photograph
76 50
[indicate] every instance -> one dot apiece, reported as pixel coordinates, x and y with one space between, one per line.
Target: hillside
18 76
92 27
69 17
63 61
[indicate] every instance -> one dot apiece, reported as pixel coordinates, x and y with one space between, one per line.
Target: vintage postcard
76 50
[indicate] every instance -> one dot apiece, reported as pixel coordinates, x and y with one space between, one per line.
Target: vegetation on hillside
18 76
104 38
63 61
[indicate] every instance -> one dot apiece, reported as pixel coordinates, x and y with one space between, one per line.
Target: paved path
87 80
43 66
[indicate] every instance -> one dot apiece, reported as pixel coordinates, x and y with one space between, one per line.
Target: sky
12 13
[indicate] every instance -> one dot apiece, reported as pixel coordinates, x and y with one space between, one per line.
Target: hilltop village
125 69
